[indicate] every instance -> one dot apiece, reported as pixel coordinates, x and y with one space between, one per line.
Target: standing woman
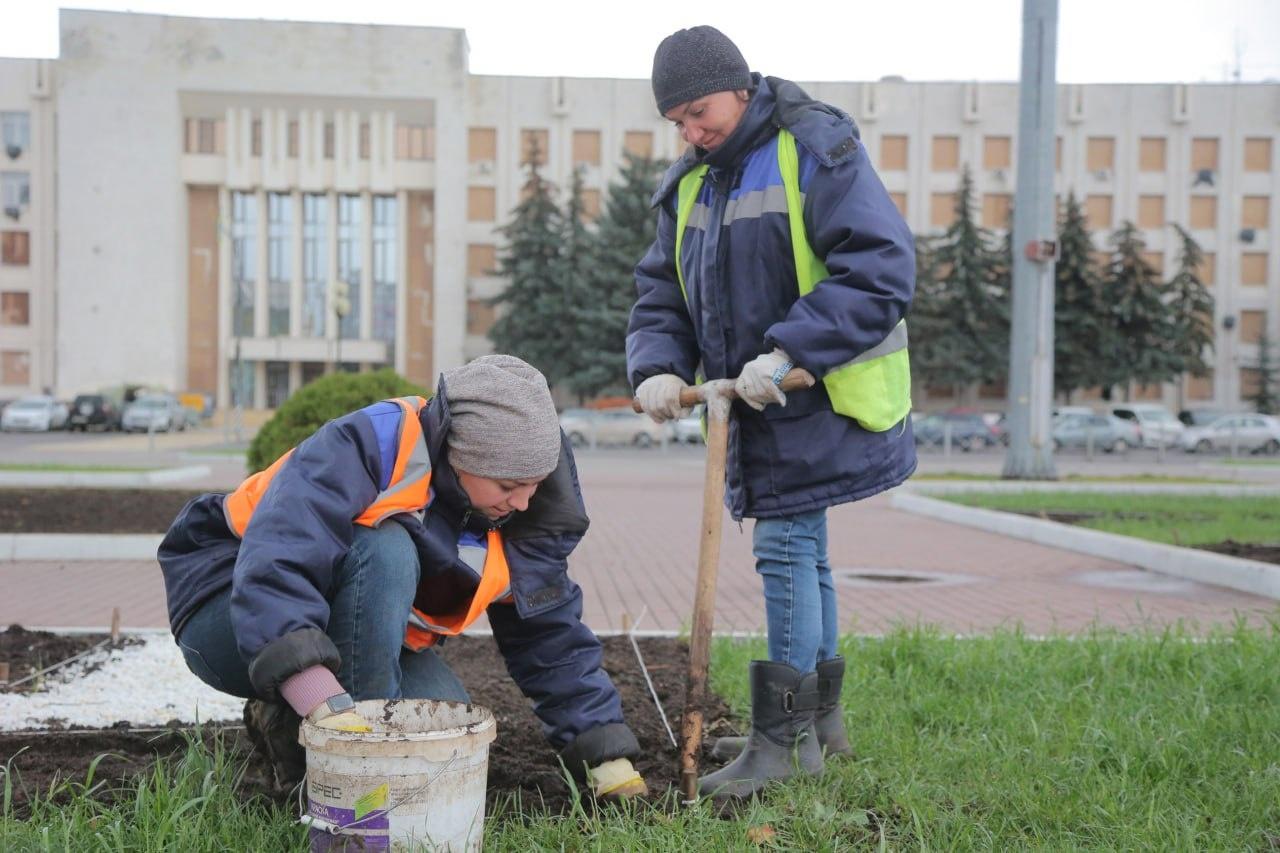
778 247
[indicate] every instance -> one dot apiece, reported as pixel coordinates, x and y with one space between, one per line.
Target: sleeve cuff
308 689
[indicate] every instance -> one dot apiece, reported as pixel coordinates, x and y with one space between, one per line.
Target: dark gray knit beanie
696 62
503 422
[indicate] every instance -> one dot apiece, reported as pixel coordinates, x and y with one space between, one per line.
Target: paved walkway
641 556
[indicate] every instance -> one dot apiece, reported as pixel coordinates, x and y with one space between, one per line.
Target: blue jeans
369 608
799 599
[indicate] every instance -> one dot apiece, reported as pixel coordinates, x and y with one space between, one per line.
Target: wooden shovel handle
796 378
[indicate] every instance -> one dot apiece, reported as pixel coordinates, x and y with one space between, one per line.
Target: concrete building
216 178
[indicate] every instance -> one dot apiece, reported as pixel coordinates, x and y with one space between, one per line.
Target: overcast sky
1099 41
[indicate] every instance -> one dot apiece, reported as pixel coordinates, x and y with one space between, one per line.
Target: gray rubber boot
829 721
782 741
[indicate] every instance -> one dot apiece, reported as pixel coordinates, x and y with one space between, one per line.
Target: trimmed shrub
318 403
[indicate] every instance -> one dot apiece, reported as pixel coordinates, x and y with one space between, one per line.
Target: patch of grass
77 469
1172 519
1255 462
186 804
1147 741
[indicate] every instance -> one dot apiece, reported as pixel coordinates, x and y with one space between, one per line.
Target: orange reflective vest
408 491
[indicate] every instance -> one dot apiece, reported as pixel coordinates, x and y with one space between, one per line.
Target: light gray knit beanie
503 422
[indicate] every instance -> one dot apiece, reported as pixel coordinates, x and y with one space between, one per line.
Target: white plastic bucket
416 782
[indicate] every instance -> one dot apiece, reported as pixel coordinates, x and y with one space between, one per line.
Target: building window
586 148
481 204
482 145
277 383
1253 268
366 141
946 153
244 382
1208 269
413 142
244 261
15 128
350 238
533 146
638 143
15 367
329 135
279 261
1155 260
15 308
1057 154
1100 153
202 136
893 153
292 142
315 263
1254 212
255 138
1257 154
1204 154
15 248
1151 211
900 199
15 193
942 209
1251 325
996 152
311 371
1097 212
590 205
1151 154
1204 212
480 316
1250 382
482 260
995 210
1200 387
386 269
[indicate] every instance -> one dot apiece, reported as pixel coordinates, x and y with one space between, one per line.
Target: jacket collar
827 132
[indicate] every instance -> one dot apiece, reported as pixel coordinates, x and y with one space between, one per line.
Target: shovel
717 394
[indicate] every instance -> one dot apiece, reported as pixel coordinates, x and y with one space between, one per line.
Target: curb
109 479
944 487
1252 576
79 546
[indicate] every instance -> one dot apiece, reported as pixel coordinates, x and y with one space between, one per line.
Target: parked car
154 412
1201 417
37 413
94 410
688 430
611 426
1157 424
1252 433
1106 432
969 431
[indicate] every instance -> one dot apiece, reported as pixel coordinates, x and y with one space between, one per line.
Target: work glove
349 720
616 780
757 384
659 396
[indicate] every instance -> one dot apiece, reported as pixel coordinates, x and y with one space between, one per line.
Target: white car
688 430
1252 433
154 413
1157 424
38 413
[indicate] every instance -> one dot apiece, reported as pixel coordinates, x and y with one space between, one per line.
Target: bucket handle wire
313 822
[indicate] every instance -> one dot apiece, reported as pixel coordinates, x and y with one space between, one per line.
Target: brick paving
641 556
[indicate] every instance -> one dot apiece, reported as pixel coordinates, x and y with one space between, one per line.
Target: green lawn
1103 741
963 476
78 469
1173 519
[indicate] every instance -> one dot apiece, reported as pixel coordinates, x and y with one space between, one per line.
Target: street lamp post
340 299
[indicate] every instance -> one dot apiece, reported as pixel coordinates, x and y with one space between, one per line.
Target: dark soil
30 651
520 761
90 510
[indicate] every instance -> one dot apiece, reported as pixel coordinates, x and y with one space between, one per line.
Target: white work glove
616 780
325 717
757 385
659 396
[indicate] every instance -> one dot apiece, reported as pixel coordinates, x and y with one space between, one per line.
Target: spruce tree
1079 326
1192 308
626 228
576 262
531 325
1266 397
963 312
1142 349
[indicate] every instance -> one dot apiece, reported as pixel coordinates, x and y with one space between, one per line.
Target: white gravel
146 684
